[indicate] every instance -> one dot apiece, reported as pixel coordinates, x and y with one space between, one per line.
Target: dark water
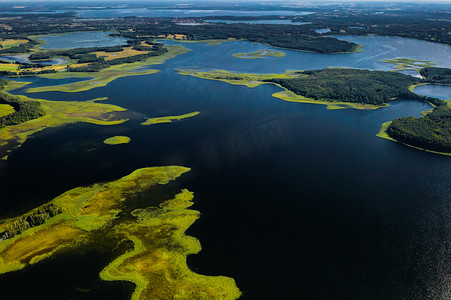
297 202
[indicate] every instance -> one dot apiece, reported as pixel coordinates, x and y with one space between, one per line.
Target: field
127 52
8 43
15 68
105 76
5 110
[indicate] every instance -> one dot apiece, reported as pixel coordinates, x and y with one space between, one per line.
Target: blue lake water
81 40
297 201
288 22
439 91
139 12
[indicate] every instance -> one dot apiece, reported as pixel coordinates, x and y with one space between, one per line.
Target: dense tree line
286 36
353 85
431 132
35 218
72 53
436 75
26 73
23 110
3 83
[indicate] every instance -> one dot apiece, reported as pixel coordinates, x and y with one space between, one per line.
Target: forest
24 110
436 75
431 132
34 218
353 85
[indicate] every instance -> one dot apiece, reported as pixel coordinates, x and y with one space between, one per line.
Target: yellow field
8 67
8 43
56 68
5 110
121 54
15 68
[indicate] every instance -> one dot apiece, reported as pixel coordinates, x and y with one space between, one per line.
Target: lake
297 201
81 40
286 22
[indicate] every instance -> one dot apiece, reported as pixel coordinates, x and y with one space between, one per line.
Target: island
340 87
260 54
156 261
117 140
33 115
169 119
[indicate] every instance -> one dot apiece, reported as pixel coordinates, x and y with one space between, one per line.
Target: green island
34 115
437 75
260 54
337 87
430 132
104 76
156 263
403 64
169 119
117 140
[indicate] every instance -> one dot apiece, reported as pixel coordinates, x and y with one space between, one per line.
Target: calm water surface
257 22
297 201
81 40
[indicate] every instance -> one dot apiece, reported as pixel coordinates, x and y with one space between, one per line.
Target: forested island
431 131
355 88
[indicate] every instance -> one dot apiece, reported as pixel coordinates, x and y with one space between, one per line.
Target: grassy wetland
58 113
156 264
260 54
105 76
169 119
117 140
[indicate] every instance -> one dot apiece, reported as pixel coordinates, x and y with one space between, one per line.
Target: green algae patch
255 80
403 64
117 140
169 119
107 75
5 110
58 113
384 135
159 271
260 54
246 79
157 262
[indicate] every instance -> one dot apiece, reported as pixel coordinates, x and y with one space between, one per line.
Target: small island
169 119
117 140
260 54
403 64
33 115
